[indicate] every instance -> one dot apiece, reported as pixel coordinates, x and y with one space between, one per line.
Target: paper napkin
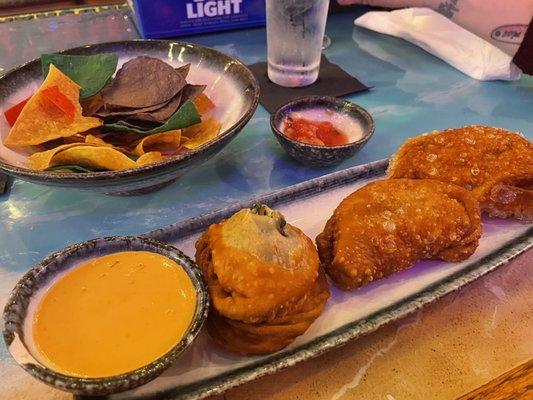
445 39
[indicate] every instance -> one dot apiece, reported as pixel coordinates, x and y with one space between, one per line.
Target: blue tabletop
413 92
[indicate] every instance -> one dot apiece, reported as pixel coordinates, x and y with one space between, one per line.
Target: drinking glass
295 32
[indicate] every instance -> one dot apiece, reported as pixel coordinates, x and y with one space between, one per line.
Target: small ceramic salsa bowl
21 305
317 155
230 85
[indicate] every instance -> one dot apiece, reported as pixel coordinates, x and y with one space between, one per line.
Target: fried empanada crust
272 336
255 273
387 225
478 158
507 196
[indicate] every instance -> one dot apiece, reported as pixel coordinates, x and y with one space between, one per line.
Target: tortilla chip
120 140
77 138
91 72
203 103
201 133
39 122
161 115
91 105
142 82
97 141
55 98
184 70
151 157
13 112
43 159
104 158
165 142
123 112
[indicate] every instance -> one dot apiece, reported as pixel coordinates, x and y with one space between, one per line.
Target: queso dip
114 314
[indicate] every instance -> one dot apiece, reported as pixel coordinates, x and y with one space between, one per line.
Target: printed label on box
158 18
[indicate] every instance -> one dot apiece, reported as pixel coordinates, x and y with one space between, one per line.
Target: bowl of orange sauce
106 315
322 131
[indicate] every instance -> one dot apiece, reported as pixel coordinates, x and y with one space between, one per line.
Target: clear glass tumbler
295 31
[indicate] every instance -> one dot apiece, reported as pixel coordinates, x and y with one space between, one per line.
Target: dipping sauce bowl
149 286
349 118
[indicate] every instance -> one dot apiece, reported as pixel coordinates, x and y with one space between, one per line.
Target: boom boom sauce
321 127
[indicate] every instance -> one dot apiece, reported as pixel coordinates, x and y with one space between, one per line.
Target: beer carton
172 18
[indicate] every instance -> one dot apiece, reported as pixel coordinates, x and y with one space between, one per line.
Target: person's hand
387 3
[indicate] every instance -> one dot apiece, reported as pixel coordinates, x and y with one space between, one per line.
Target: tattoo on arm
513 34
448 8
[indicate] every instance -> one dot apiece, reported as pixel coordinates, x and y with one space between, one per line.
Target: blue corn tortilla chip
142 82
161 114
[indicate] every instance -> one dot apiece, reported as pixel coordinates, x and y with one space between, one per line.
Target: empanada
478 158
260 273
387 225
269 337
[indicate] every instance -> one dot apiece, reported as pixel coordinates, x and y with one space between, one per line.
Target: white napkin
445 39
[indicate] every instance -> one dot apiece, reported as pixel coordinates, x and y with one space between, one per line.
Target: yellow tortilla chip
166 142
200 133
77 138
150 157
43 159
91 156
38 123
97 141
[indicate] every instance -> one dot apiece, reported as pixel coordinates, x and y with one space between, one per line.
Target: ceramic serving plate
204 369
230 85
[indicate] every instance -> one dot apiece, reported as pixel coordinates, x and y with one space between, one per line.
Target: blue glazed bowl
321 156
230 84
16 317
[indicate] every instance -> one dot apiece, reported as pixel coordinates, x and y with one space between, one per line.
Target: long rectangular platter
205 370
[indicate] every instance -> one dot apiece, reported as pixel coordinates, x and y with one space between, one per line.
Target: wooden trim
515 384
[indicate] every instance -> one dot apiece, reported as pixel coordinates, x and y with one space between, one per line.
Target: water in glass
295 31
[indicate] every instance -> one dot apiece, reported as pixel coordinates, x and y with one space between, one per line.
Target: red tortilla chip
203 104
13 113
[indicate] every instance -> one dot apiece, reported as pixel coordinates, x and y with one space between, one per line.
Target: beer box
171 18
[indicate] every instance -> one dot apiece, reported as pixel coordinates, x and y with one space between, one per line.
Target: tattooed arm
501 22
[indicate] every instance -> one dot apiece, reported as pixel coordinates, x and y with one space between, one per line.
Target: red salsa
319 133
